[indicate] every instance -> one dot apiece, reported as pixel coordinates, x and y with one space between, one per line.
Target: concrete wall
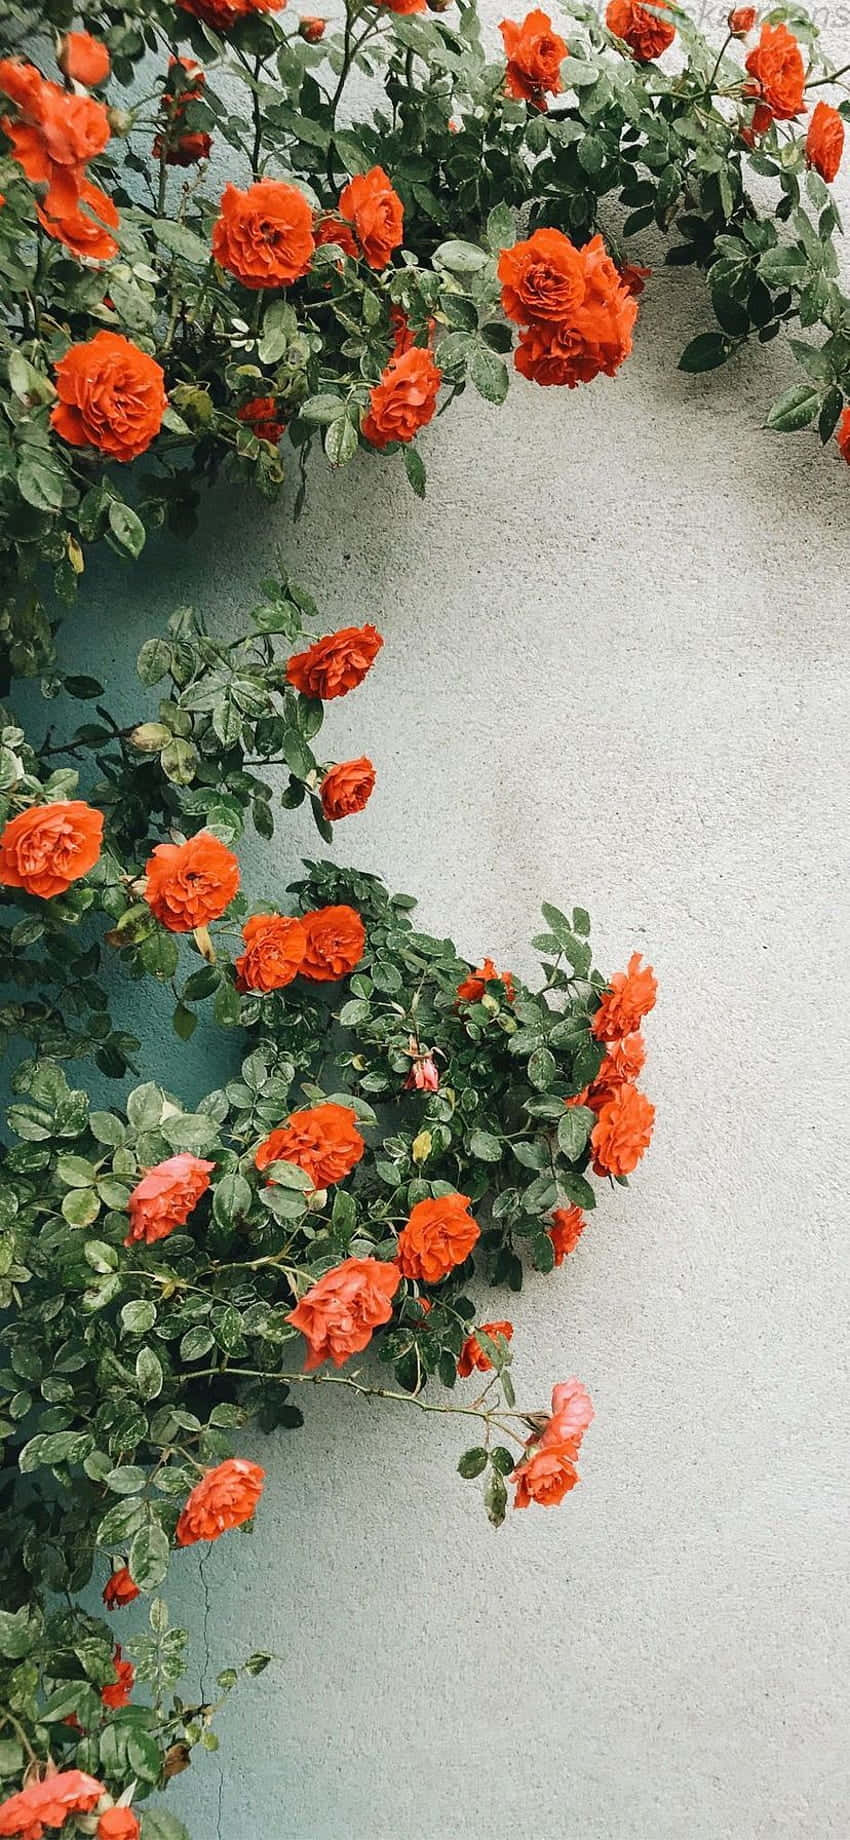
615 672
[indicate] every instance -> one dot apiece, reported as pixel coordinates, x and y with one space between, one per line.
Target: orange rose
741 21
166 1196
370 204
630 996
624 1061
546 1477
311 28
85 228
622 1132
404 400
472 1355
336 939
323 1140
120 1589
535 54
842 435
777 66
339 1313
55 133
119 1691
48 847
118 1824
645 34
333 230
473 988
189 884
334 665
402 8
347 788
567 1227
595 337
264 236
222 14
49 1803
224 1498
439 1235
274 948
111 397
572 1412
260 415
542 278
84 59
825 141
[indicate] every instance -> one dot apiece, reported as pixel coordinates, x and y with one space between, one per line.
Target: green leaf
127 529
40 482
542 1068
341 441
154 661
495 1498
485 1147
181 240
297 755
573 1131
501 228
232 1199
148 1373
158 1825
80 1206
460 258
414 467
138 1317
706 352
795 408
148 1560
472 1463
488 372
324 409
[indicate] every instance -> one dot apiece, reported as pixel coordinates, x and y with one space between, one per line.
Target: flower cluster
576 312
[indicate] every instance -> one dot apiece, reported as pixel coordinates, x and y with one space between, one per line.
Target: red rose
347 788
535 54
825 141
111 397
369 202
404 400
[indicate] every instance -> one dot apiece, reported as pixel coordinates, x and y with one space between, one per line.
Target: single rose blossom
474 987
46 848
260 415
568 1224
624 1061
336 940
111 396
439 1235
404 400
646 35
546 1477
741 21
622 1132
572 1412
118 1824
534 55
224 1498
369 203
223 15
825 141
311 27
630 996
119 1691
776 65
323 1140
424 1075
264 236
472 1355
165 1197
842 435
274 949
542 278
120 1589
339 1313
333 230
48 1803
346 788
189 884
336 664
84 59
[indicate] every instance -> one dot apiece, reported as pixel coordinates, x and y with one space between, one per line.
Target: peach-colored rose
165 1197
118 1824
546 1477
341 1310
48 1803
323 1140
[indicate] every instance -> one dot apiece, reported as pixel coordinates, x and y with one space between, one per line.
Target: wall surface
616 672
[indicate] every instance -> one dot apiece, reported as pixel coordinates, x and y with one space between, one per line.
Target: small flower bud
311 28
741 21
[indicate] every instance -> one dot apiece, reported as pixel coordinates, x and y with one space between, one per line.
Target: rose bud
741 21
311 28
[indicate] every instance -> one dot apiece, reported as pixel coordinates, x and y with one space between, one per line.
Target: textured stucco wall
616 672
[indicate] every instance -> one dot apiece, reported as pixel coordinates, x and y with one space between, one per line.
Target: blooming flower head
332 229
48 1803
189 884
323 1140
264 236
118 1824
534 55
369 203
404 400
472 1355
630 997
46 848
111 396
568 1224
439 1235
84 59
224 1498
346 788
595 334
334 665
623 1061
545 1477
274 950
779 77
825 141
120 1589
165 1197
53 134
336 940
223 15
473 988
119 1691
542 278
84 229
640 28
572 1412
622 1132
339 1313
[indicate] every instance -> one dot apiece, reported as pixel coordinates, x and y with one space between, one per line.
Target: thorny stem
818 82
373 1392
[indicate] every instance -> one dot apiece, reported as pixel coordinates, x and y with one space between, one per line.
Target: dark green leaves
706 352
